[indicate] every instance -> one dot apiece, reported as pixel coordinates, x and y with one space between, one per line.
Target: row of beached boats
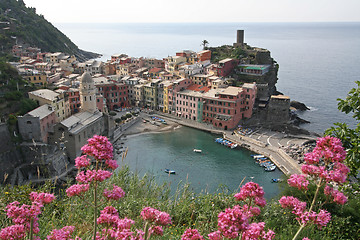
226 143
264 162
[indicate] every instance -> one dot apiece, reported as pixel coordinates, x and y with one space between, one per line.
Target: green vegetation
350 137
185 208
27 27
226 51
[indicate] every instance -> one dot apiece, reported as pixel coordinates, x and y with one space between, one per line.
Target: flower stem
298 232
311 207
31 237
95 211
146 231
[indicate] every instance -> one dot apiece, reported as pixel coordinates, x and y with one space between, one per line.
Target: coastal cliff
20 25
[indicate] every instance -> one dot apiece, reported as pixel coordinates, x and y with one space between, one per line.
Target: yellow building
167 85
39 79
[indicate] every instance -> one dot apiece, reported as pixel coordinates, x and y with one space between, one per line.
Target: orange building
204 55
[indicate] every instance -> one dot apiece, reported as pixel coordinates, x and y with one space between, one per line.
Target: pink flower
77 189
298 181
61 234
215 235
14 232
233 221
108 216
310 170
82 162
24 214
156 230
99 147
112 164
339 172
256 231
115 194
42 198
305 238
153 215
294 204
339 197
93 175
253 191
85 176
322 218
191 234
124 223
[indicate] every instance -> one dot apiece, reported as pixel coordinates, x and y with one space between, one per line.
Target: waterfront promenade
268 143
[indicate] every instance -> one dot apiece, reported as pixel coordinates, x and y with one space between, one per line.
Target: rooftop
41 112
46 94
80 120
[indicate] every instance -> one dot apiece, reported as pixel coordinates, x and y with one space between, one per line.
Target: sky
124 11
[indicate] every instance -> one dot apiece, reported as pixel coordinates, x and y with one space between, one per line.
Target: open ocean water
319 62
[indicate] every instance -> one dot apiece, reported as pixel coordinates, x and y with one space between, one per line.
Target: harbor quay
262 141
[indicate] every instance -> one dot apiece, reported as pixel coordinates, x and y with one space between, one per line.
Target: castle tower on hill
87 93
239 38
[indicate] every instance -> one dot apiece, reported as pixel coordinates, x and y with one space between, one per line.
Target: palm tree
204 43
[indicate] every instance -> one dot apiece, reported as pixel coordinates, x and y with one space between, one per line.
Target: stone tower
239 38
87 93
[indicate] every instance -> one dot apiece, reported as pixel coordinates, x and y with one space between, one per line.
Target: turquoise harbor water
216 166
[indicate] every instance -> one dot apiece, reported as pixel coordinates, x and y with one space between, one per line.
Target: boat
270 168
258 156
169 171
226 142
276 180
197 150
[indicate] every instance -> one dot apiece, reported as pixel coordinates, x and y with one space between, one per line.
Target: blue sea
319 62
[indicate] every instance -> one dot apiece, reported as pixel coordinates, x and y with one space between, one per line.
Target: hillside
20 24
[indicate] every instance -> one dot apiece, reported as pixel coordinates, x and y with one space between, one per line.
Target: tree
204 43
350 137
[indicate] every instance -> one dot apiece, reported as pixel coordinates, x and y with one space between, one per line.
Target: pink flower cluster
298 181
13 232
328 153
99 147
114 194
256 231
253 192
114 227
324 165
191 234
237 220
82 162
337 196
155 216
24 214
93 175
77 189
62 234
304 217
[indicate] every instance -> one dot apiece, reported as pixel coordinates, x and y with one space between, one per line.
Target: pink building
36 124
189 102
225 107
178 85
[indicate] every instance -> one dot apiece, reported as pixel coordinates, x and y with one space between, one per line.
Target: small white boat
169 171
197 150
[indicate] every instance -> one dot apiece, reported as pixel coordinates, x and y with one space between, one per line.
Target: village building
225 67
36 124
225 107
46 96
189 102
74 131
115 93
